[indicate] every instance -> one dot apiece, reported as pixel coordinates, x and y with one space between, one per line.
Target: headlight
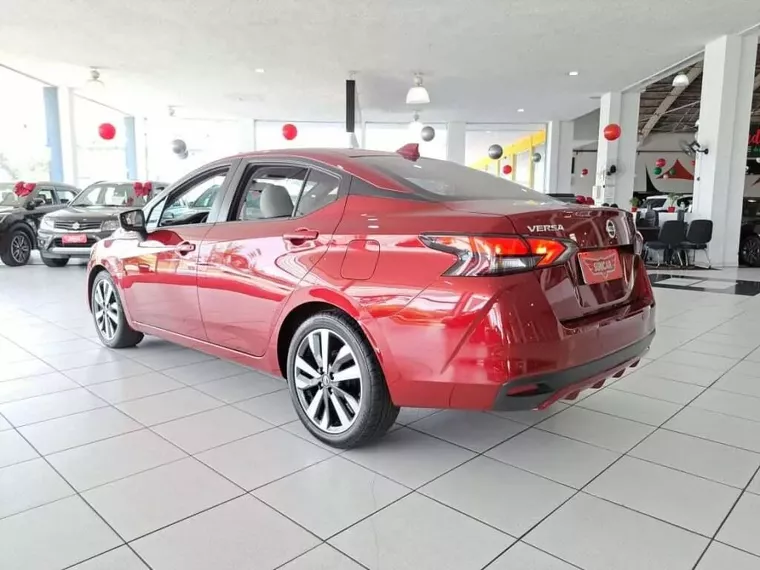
47 223
109 225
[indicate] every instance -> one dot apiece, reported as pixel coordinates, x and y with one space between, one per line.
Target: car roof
62 184
331 156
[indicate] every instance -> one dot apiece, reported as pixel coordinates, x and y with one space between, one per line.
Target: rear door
160 281
251 262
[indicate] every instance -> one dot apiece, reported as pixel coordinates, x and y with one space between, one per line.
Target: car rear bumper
541 391
463 345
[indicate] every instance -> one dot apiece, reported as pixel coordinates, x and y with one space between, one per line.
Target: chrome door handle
185 247
301 235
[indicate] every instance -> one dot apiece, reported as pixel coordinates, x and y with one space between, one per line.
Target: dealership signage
753 145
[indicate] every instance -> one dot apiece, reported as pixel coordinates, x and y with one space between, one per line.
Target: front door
279 223
45 201
160 280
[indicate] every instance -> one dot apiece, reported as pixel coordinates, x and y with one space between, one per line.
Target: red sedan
373 281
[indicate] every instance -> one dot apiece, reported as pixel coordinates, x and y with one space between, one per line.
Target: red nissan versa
374 280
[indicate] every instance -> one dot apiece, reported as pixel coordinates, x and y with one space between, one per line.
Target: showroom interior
119 452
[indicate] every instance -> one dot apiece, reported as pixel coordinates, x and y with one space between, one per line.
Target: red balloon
612 132
660 162
107 131
507 169
584 172
289 131
589 201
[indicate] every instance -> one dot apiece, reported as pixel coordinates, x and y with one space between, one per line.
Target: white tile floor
161 457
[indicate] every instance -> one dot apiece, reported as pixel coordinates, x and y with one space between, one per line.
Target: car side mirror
132 221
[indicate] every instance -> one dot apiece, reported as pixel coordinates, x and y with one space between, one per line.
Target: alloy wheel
328 381
20 248
752 252
106 309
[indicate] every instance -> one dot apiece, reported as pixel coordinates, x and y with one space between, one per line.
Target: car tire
18 247
108 314
749 250
54 261
351 390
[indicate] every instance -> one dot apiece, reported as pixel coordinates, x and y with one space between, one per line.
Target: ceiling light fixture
417 95
521 110
415 127
572 73
681 80
95 84
259 70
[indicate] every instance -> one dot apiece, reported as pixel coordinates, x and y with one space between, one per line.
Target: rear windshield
444 181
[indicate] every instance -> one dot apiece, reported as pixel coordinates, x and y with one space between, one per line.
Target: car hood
10 210
89 213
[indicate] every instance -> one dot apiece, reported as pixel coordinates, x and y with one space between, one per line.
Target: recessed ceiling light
572 73
520 110
259 70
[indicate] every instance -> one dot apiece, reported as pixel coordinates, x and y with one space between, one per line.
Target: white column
727 85
141 145
68 135
559 156
617 188
456 135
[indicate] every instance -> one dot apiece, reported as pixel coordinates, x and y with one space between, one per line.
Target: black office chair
672 235
697 238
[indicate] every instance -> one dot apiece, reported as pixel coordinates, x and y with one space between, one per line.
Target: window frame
58 189
232 197
186 184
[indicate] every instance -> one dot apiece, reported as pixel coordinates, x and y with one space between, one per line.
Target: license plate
600 266
73 239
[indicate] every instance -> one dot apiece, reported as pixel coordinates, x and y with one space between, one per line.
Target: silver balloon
179 146
495 151
183 155
427 134
536 157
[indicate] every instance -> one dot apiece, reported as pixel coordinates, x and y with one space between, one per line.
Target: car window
46 195
111 194
320 190
441 180
155 213
65 195
284 183
193 203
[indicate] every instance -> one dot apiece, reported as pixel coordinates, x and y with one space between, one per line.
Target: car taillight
479 256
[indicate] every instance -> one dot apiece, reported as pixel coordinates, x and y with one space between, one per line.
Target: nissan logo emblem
611 229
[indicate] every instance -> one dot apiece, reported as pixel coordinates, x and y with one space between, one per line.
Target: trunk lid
592 229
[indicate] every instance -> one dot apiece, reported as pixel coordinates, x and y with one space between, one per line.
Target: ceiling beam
670 98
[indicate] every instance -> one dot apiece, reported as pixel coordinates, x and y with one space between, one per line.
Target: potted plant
635 202
672 201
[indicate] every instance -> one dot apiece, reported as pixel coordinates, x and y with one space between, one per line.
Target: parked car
90 217
660 203
372 281
749 239
22 205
